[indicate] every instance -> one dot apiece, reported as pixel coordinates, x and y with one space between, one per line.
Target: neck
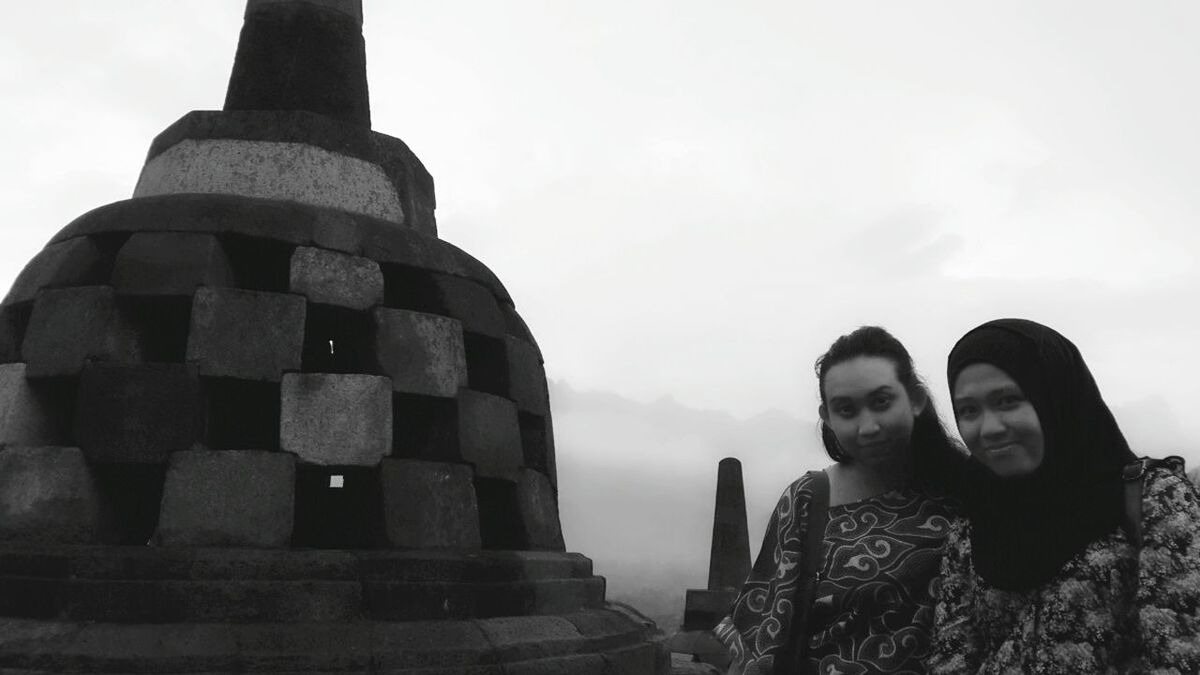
855 482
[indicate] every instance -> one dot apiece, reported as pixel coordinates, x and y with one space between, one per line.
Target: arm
752 630
955 645
1168 595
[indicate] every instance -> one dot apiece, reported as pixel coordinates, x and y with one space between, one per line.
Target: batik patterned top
1111 609
872 606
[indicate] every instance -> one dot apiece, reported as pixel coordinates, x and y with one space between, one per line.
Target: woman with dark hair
1077 557
848 591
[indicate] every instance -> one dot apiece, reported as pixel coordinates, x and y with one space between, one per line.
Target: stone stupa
728 568
260 418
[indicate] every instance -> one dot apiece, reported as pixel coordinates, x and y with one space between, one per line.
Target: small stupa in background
259 418
728 568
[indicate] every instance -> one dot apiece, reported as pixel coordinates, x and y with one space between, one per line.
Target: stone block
422 353
526 377
137 413
75 262
336 419
472 304
228 498
248 335
27 416
72 325
429 505
703 608
170 263
48 494
489 435
332 278
538 511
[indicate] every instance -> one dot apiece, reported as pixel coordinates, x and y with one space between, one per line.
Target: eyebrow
885 389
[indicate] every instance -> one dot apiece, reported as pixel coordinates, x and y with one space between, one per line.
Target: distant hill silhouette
638 480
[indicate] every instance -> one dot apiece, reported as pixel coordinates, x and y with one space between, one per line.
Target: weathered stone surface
170 263
47 494
472 304
246 334
72 325
228 498
302 56
538 512
137 413
526 377
520 638
332 278
488 434
285 171
336 419
27 417
729 558
422 353
429 505
74 262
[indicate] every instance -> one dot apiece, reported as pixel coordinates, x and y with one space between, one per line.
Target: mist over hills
637 483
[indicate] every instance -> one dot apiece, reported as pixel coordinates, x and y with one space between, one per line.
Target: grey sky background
690 200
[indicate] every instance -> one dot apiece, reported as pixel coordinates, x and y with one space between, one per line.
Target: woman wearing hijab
1077 557
850 592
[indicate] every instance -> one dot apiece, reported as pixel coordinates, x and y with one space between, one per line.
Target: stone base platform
108 609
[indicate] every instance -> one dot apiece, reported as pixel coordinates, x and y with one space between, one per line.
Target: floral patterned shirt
1112 608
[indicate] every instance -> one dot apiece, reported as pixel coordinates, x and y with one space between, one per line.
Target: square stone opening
132 496
349 517
259 264
500 526
487 363
406 287
534 445
337 340
425 427
14 321
160 326
240 414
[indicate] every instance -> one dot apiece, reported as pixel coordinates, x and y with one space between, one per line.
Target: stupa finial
302 55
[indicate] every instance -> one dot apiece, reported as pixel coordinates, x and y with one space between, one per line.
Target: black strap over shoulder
1134 475
790 659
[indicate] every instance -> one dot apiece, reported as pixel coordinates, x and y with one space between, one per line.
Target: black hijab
1024 529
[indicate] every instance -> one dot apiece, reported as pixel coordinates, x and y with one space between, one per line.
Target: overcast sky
693 199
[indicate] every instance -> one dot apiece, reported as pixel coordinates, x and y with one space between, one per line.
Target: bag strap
1133 474
790 660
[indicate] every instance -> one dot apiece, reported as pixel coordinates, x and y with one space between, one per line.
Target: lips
1001 449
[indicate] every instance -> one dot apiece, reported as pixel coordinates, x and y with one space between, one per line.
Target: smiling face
997 421
869 411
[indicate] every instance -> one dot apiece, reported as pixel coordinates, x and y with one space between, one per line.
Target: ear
919 401
823 413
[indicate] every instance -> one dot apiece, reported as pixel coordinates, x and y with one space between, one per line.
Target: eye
1009 401
881 403
844 410
965 411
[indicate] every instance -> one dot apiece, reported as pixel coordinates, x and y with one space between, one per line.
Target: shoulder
1167 490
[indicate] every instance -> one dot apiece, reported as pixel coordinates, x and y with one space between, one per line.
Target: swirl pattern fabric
872 608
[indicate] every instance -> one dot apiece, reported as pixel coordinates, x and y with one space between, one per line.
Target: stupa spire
302 55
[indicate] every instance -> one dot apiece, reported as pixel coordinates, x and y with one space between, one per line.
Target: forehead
860 375
979 379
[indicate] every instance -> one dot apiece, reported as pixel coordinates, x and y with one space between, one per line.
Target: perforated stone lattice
169 325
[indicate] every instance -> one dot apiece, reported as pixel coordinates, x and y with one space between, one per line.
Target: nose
991 426
868 427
